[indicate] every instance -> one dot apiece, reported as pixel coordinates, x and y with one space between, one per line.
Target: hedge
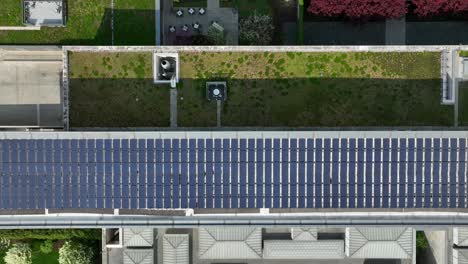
51 234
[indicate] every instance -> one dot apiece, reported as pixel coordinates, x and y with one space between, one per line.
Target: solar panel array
234 173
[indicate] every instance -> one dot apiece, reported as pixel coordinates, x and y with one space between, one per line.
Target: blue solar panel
326 172
83 153
335 172
461 173
192 173
242 173
427 172
91 174
116 172
251 173
167 173
310 173
23 176
302 173
74 172
435 174
343 173
394 174
4 179
410 171
125 174
32 175
352 174
402 172
360 174
234 173
453 172
268 172
209 174
284 173
142 176
293 173
175 173
385 172
108 172
377 173
318 173
201 174
368 167
159 173
56 174
183 173
419 173
276 173
217 174
226 173
444 173
259 170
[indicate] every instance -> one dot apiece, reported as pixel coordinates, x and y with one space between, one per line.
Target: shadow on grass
318 102
118 103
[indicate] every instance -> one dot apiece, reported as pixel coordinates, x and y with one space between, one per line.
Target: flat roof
44 12
147 170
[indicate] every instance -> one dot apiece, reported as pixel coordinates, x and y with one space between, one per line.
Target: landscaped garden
10 13
316 89
89 22
49 246
116 90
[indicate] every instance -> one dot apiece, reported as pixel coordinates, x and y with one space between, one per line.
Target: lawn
463 104
317 89
134 22
248 7
88 23
464 53
11 13
116 90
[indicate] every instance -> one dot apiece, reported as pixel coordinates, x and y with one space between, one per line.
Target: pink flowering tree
437 7
359 8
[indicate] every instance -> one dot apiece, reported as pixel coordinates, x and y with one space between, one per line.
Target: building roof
295 249
176 249
378 242
230 243
44 12
138 256
460 256
304 233
461 236
134 170
138 237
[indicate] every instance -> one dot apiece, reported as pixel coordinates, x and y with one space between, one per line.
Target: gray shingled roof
138 237
304 233
383 243
138 256
176 249
296 249
230 243
462 234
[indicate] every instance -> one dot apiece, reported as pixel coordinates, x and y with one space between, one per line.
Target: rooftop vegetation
463 104
116 90
10 13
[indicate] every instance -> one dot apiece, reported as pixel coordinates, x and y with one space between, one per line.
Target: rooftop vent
216 91
166 68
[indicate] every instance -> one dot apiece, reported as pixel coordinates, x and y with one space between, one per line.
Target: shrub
437 7
51 234
47 246
73 252
359 8
19 253
256 30
216 36
4 244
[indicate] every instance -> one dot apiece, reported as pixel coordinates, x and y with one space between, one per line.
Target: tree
256 30
437 7
359 8
19 253
216 36
73 252
47 246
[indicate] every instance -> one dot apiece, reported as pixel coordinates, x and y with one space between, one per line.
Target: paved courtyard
30 88
226 17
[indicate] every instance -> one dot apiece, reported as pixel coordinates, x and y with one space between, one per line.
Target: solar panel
352 173
184 189
91 174
226 173
192 173
377 173
251 173
108 184
116 172
394 173
435 173
259 173
302 173
444 173
385 172
201 173
217 174
276 173
83 173
125 174
209 174
360 173
326 172
411 172
419 173
368 171
284 173
66 172
461 173
310 173
453 172
234 173
427 172
74 171
48 171
402 173
268 172
167 172
343 173
22 175
175 173
293 173
242 173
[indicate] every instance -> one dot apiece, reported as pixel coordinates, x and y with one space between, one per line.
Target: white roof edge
232 134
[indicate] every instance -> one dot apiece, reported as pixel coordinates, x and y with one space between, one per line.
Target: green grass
464 53
190 3
134 22
88 23
317 89
463 104
11 13
116 90
248 7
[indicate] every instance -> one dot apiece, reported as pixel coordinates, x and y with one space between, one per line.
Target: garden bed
318 89
116 90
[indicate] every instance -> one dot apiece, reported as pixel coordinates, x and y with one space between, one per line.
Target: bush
4 244
47 246
51 234
256 30
73 252
359 8
19 253
437 7
216 36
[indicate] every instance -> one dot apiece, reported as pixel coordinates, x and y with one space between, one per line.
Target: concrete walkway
395 31
213 4
173 107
